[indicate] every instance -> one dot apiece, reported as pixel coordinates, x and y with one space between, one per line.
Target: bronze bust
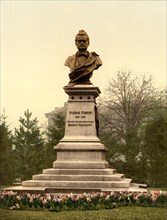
83 63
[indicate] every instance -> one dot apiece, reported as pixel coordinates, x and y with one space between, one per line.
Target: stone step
69 190
80 164
21 189
77 184
138 185
79 171
129 189
114 177
121 184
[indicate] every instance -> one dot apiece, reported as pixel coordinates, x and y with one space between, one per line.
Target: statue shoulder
94 54
98 60
70 60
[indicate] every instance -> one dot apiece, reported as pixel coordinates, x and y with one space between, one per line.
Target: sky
38 36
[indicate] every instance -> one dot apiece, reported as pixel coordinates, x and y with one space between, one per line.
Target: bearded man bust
83 63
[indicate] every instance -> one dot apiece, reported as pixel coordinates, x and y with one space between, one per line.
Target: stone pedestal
81 164
80 147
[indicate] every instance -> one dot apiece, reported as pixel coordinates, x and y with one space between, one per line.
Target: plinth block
82 118
74 172
81 151
80 164
78 144
80 147
79 90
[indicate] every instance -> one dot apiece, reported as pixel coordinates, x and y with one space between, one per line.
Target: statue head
82 40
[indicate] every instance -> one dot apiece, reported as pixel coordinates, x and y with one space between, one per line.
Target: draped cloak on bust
81 72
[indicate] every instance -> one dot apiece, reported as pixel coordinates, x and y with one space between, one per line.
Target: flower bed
93 201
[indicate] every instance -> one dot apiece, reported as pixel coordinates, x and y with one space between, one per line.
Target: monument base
76 181
81 164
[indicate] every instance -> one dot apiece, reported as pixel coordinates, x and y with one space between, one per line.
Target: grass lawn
123 213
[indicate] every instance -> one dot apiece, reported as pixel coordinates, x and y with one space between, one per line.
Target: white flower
107 197
17 206
18 197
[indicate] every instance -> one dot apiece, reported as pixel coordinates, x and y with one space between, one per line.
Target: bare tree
127 102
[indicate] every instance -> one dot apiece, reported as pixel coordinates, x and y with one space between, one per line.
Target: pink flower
49 198
38 196
44 201
101 194
60 196
76 199
55 199
28 195
112 193
9 193
31 200
88 199
136 196
41 198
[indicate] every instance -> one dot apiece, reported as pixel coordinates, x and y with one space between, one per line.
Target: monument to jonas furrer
81 164
82 64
